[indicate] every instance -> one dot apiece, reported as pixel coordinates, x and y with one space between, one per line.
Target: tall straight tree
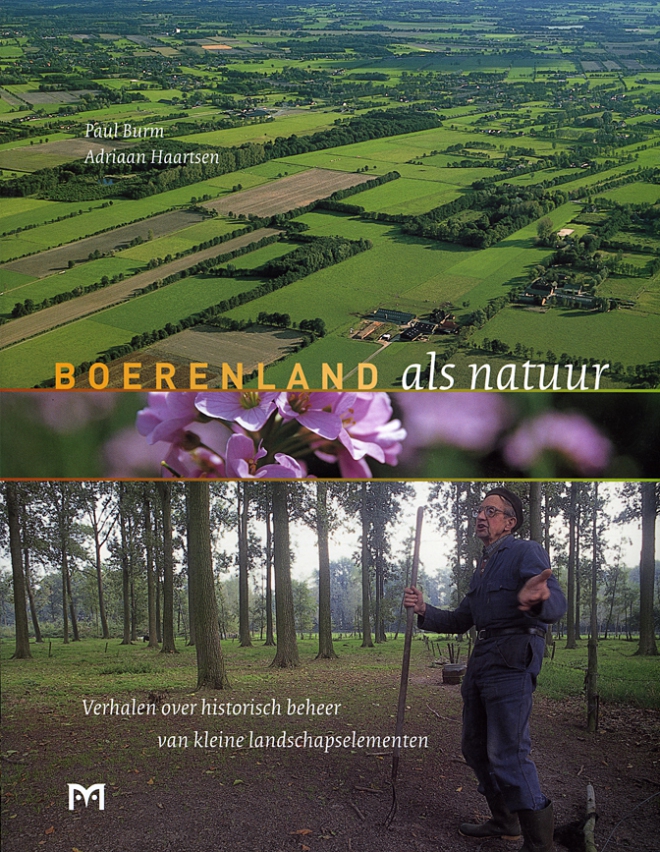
591 679
287 648
243 509
61 505
165 494
570 584
326 650
367 641
270 636
535 525
125 564
147 494
26 536
22 651
99 501
211 672
647 644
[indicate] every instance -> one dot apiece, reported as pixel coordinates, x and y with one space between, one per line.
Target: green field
32 361
177 300
22 287
623 335
506 94
262 131
634 193
179 241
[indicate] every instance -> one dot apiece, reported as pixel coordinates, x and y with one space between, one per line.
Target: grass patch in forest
96 667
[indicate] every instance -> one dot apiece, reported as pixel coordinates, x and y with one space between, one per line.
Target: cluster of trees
503 210
315 253
131 558
77 181
329 251
481 316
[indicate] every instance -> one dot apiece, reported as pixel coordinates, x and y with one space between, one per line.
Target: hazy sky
436 548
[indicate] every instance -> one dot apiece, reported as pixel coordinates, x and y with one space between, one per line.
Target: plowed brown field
287 193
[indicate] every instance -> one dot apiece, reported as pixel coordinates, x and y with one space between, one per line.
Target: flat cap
513 499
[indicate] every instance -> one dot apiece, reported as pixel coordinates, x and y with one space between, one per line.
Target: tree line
160 559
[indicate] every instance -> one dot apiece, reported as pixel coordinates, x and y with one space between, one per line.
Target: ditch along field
206 798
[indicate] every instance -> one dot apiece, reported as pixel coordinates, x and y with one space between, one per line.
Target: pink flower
66 412
242 462
318 412
167 416
127 454
570 434
249 409
199 462
471 421
367 430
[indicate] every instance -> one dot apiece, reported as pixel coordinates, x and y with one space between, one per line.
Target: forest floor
170 798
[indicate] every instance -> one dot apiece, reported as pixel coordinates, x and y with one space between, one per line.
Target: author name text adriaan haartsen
156 157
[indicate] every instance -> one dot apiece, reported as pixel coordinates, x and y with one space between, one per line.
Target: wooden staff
405 668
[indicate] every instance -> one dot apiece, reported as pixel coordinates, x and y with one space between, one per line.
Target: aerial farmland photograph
415 196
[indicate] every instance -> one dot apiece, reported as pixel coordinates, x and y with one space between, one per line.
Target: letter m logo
78 793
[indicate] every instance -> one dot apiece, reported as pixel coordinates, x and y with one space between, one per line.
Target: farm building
387 315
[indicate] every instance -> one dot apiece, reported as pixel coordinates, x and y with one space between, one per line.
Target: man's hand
412 597
535 590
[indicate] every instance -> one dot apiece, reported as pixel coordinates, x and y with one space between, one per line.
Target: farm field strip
29 326
57 259
288 193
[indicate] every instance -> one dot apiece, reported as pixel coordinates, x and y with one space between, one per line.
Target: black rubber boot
537 827
504 824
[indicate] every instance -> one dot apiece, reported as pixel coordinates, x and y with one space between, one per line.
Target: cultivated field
210 346
49 154
288 193
46 262
66 312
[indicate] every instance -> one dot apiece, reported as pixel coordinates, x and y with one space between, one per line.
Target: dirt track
49 318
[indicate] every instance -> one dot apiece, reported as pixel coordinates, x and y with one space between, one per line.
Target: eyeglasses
489 512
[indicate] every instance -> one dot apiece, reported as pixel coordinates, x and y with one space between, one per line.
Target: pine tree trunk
191 591
151 577
245 640
326 650
211 672
22 651
165 494
647 644
366 621
125 573
30 594
270 638
99 584
287 648
570 612
535 526
592 656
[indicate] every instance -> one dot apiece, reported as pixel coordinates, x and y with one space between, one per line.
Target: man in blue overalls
512 598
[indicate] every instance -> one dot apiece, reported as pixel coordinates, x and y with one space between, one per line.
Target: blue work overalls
501 675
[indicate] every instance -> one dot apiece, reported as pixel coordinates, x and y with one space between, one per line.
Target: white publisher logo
78 793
